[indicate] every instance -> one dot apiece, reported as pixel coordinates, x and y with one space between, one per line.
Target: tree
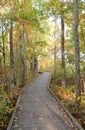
77 55
4 58
63 53
62 44
12 79
22 58
55 62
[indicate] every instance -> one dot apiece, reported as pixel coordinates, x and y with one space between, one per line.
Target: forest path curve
38 110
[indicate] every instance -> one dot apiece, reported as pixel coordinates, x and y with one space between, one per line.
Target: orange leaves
21 44
60 91
0 3
63 93
27 28
16 93
21 21
84 43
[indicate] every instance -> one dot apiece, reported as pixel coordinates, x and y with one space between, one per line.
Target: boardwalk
38 110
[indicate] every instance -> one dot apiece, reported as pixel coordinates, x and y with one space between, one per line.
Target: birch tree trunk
77 55
63 54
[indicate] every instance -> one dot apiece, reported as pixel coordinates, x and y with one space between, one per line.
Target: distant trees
18 45
58 12
72 31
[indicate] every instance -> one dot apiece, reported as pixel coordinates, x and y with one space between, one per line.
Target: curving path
38 110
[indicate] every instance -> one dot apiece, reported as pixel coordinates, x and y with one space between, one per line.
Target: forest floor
38 109
67 96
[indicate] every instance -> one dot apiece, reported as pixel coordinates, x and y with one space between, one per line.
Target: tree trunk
12 79
83 84
63 54
22 59
4 59
55 50
55 65
35 64
77 55
17 65
32 64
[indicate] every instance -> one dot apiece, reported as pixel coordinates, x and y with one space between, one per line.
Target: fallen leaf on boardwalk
65 116
40 118
15 126
20 129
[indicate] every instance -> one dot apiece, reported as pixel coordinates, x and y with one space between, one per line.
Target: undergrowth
67 96
7 104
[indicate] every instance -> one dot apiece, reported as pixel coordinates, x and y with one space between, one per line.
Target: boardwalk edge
15 110
68 113
16 107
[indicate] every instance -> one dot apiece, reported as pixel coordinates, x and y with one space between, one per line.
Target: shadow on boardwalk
38 110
